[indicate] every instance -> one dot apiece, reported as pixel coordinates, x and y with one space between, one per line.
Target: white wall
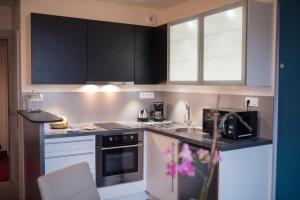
5 18
191 8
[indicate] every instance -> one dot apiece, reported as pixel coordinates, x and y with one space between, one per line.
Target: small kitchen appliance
233 127
158 113
142 115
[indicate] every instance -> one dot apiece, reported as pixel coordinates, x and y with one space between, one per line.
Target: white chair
71 183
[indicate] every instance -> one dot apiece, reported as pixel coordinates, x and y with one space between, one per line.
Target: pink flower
203 154
171 169
218 158
186 168
186 153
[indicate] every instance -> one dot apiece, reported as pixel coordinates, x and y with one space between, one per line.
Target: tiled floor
7 191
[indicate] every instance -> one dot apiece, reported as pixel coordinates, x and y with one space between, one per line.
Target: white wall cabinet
158 183
223 46
183 51
63 152
227 46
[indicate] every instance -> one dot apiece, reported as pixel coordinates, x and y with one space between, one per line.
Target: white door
158 183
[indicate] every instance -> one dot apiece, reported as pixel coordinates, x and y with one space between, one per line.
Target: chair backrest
71 183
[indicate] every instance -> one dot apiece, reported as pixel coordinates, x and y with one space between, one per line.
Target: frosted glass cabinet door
223 46
183 51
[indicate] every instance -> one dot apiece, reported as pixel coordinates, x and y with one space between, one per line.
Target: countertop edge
39 117
220 147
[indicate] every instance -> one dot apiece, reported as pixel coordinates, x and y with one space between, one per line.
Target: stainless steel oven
119 158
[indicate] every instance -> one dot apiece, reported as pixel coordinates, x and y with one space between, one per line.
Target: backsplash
176 108
82 107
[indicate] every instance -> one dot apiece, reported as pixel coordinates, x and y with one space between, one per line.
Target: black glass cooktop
111 126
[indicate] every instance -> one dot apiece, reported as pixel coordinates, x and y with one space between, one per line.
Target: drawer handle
74 141
120 147
70 155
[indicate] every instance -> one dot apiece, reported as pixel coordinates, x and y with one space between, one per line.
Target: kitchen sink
189 130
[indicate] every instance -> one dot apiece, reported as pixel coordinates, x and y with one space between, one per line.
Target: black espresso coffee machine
158 113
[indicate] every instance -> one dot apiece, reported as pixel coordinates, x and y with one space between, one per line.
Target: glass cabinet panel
223 46
183 51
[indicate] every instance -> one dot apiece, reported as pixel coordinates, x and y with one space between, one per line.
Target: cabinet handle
120 147
173 161
70 155
282 66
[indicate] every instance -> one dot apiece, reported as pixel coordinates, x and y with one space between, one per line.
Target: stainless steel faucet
188 121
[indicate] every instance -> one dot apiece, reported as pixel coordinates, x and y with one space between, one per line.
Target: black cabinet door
58 50
110 52
144 72
190 187
160 53
150 54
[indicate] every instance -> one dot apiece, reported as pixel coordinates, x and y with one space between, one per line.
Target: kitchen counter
204 142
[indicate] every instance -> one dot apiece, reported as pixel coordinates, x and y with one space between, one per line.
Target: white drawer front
70 139
69 144
59 162
69 152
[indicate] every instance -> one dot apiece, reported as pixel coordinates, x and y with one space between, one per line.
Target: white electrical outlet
35 97
146 95
253 101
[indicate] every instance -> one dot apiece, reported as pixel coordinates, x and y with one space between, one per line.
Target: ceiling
158 4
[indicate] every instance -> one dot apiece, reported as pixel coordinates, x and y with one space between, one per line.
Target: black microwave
238 123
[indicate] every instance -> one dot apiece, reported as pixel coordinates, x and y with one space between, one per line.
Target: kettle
143 115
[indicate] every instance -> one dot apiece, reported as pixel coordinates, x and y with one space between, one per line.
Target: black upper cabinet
143 68
110 52
150 54
76 51
160 53
58 50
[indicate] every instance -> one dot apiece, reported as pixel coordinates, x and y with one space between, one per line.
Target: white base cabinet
63 152
242 173
246 174
159 184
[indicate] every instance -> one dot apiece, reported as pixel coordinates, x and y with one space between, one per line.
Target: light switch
146 95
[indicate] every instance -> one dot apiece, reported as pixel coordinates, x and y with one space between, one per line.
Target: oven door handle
120 147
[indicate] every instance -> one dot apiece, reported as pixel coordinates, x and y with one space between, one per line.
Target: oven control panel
122 139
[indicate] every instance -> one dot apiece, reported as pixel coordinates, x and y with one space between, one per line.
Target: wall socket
146 95
253 101
35 97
